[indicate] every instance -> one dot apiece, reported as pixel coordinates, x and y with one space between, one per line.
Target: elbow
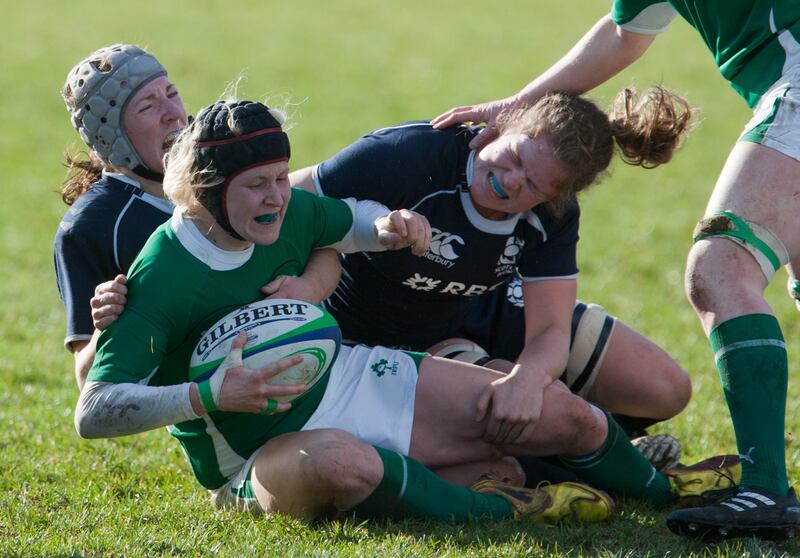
85 425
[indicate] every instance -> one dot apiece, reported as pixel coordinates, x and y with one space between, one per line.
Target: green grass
347 66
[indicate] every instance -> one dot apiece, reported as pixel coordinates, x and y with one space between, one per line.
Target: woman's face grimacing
513 174
152 119
256 202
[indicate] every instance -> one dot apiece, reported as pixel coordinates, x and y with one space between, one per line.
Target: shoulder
395 165
100 207
550 222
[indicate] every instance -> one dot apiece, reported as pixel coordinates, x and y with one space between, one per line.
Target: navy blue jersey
396 298
98 238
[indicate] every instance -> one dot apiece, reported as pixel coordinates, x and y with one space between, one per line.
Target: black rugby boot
750 512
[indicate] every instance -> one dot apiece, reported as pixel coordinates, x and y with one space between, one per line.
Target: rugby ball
276 329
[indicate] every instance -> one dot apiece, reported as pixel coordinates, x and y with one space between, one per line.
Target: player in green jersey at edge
750 228
357 440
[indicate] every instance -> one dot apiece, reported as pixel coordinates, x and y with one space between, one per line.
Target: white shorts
776 117
370 394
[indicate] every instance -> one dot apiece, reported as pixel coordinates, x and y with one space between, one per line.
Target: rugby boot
663 451
705 482
751 512
551 503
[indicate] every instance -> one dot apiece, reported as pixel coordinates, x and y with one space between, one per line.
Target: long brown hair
83 170
646 129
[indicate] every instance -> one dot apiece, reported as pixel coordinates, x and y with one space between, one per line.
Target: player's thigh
446 429
762 185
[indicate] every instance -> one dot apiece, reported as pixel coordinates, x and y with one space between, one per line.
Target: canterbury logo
511 252
442 244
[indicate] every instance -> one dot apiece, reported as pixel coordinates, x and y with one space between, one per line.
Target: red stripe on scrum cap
234 139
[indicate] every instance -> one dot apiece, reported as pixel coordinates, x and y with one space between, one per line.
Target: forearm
84 353
601 54
106 410
545 355
323 271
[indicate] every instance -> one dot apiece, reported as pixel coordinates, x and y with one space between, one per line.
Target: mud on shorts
370 394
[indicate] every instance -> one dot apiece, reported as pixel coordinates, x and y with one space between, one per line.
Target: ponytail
649 128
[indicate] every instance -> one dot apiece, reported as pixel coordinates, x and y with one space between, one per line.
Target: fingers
106 315
273 369
406 228
274 407
456 116
117 285
398 220
108 298
515 432
107 304
484 138
234 358
423 239
483 403
274 286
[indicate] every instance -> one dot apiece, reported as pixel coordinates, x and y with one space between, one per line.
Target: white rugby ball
276 329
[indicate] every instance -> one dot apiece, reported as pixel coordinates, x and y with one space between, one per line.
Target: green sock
751 358
409 489
620 468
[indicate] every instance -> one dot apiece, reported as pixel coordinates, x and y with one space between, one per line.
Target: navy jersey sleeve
396 166
557 255
82 261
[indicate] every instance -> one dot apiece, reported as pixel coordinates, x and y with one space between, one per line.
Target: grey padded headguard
96 93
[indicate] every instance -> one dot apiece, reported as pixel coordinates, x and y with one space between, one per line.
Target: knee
698 284
676 393
337 462
720 273
682 391
588 427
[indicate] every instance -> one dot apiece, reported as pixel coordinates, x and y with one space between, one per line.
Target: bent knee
718 271
337 461
587 427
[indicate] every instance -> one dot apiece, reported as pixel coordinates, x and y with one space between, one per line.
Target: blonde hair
646 129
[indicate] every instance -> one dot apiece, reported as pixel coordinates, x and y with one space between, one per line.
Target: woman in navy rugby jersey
501 269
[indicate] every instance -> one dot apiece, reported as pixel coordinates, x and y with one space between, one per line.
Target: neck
215 234
152 187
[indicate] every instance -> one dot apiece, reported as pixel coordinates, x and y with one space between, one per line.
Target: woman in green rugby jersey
750 228
236 223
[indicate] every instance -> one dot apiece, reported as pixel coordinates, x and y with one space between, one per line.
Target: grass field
346 66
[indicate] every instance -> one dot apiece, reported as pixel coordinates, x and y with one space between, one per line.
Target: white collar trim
163 204
203 249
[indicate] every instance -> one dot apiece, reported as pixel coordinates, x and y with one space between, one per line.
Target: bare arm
304 179
604 51
84 352
516 399
318 281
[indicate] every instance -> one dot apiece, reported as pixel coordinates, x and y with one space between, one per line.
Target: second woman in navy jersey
505 222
